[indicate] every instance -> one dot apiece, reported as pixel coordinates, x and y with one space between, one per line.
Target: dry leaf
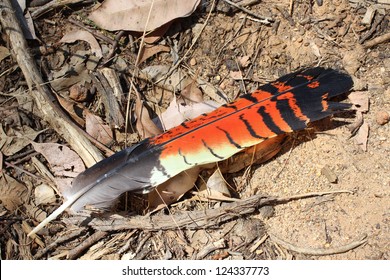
70 75
315 49
176 113
253 155
145 126
217 183
207 195
149 51
156 34
73 109
236 75
19 139
4 52
95 127
173 189
132 15
83 35
63 161
12 193
361 137
244 61
63 184
192 94
177 81
360 100
44 194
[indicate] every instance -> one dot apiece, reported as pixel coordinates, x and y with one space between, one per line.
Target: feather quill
279 107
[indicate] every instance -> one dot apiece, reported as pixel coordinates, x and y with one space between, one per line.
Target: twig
60 240
219 244
319 252
24 171
142 242
249 12
372 29
286 15
258 243
114 46
376 41
52 5
291 7
191 219
78 250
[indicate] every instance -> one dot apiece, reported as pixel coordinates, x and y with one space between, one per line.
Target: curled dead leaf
217 183
145 126
44 194
12 193
151 50
173 189
83 35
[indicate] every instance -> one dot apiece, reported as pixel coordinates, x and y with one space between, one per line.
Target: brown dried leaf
361 137
83 35
73 109
176 113
70 75
177 81
95 127
19 139
244 61
63 161
173 189
132 15
360 100
4 52
192 94
236 75
44 194
145 126
149 51
12 193
217 183
156 34
253 155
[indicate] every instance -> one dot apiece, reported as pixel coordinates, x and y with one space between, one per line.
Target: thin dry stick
219 244
266 19
319 252
52 5
60 240
78 250
376 41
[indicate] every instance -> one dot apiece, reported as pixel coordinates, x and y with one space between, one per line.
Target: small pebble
267 212
382 117
193 62
329 174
